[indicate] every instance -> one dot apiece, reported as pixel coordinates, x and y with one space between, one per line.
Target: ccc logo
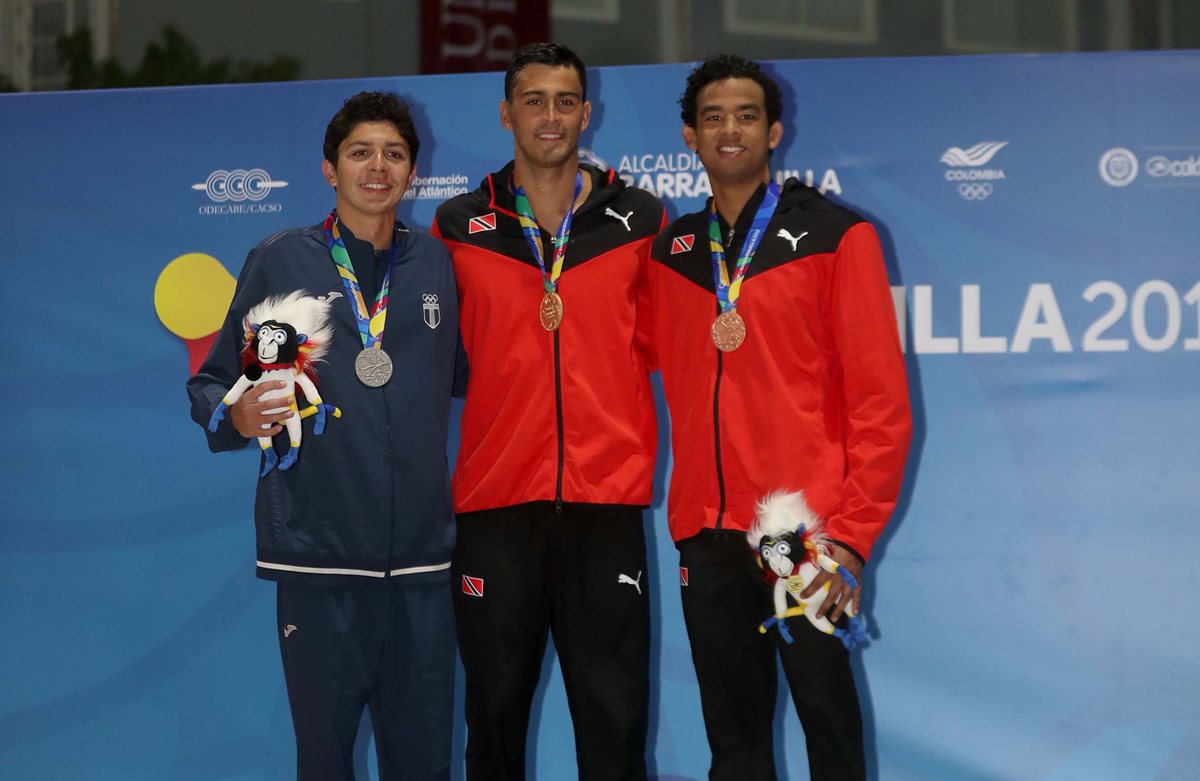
238 185
975 191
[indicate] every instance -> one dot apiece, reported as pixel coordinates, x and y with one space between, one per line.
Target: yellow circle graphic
192 295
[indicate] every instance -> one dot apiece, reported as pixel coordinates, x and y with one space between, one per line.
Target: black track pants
723 604
522 571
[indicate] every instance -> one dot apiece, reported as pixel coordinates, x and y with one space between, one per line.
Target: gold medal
729 331
551 311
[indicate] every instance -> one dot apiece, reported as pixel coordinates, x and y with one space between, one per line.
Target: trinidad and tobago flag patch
683 576
682 244
472 587
486 222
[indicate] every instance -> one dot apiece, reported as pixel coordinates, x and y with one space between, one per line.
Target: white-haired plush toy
786 534
285 336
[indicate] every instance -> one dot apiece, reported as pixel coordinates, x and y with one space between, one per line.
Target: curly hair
370 107
552 54
729 66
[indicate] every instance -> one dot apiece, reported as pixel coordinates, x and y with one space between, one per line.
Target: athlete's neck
375 228
551 191
731 197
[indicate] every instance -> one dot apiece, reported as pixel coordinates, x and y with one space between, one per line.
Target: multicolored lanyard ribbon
533 234
729 290
370 325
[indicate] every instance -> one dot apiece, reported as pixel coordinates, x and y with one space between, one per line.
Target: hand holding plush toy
792 549
285 336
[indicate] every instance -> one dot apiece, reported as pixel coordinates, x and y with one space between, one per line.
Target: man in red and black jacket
558 433
782 373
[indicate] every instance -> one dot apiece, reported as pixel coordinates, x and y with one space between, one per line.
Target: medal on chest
372 366
729 329
550 310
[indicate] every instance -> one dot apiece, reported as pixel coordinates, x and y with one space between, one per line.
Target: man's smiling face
732 135
374 170
546 115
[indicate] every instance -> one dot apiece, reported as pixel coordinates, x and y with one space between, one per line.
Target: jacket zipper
717 413
717 437
558 407
387 428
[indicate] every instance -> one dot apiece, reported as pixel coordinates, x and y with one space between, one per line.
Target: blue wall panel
1032 601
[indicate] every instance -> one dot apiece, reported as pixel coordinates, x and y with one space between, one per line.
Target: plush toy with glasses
787 536
285 336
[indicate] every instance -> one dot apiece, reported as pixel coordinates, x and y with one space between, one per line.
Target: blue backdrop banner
1031 601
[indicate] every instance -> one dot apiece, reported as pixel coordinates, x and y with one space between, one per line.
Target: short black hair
371 107
729 66
553 54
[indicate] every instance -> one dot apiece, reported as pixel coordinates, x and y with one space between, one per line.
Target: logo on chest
682 243
430 310
788 237
486 222
624 219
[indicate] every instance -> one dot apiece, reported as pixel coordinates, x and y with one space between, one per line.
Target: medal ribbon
729 291
370 326
533 234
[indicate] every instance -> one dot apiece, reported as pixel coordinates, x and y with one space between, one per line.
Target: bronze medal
728 331
551 311
373 367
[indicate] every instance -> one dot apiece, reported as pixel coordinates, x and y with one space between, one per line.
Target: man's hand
248 414
840 594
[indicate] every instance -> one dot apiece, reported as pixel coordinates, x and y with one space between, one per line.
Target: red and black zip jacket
565 415
815 399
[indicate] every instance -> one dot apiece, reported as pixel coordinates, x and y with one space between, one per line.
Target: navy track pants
388 646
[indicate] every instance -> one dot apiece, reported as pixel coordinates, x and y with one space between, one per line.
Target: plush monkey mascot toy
791 546
285 336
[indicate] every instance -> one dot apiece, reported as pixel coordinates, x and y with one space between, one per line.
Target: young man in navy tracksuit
358 533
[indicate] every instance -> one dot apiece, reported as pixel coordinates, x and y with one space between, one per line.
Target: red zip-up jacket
815 399
565 415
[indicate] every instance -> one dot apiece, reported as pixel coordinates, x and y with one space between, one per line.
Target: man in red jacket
774 330
558 433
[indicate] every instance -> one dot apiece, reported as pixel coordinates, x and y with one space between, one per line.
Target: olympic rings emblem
430 310
975 191
238 185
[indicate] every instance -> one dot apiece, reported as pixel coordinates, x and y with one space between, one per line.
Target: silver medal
373 367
